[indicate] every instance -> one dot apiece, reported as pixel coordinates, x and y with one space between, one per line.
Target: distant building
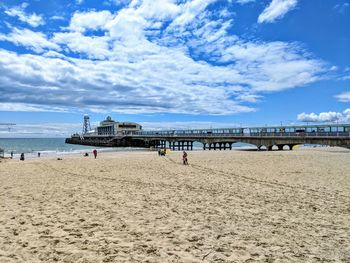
112 128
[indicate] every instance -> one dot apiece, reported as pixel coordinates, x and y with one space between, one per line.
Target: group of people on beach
94 152
162 152
21 157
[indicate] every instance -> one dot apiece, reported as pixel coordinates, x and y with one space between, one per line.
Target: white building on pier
114 128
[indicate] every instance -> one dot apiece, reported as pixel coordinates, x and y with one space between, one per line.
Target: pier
264 138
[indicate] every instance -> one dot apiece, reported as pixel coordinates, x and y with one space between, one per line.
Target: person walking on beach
11 154
95 153
22 157
184 158
39 154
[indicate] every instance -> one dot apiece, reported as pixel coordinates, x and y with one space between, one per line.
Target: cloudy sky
193 63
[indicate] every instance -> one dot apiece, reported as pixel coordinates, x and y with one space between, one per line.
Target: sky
172 63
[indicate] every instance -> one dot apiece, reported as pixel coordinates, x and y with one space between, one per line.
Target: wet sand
225 206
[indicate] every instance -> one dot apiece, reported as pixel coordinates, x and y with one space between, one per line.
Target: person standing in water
95 153
22 157
11 154
39 154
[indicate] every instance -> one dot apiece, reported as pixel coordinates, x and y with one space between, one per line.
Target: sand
225 206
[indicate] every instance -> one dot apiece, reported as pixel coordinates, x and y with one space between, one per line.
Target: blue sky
169 64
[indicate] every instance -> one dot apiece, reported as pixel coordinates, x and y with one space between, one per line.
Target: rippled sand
228 206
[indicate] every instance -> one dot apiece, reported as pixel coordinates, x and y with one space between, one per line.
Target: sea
51 147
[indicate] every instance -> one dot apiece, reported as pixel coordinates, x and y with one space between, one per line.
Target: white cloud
35 130
325 116
118 2
93 47
28 107
341 8
57 18
159 9
249 97
242 2
272 66
190 10
346 74
276 9
180 60
54 54
152 85
344 97
82 21
127 26
32 19
36 41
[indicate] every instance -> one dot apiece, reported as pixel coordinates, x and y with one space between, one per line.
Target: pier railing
268 134
264 134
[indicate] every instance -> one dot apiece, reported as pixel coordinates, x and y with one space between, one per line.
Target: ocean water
57 146
30 145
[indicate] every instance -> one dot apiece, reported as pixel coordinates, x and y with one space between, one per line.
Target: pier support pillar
280 147
230 145
191 146
291 146
269 148
204 146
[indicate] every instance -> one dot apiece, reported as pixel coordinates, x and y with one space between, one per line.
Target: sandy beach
225 206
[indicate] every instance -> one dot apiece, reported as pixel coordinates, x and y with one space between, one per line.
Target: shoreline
47 154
